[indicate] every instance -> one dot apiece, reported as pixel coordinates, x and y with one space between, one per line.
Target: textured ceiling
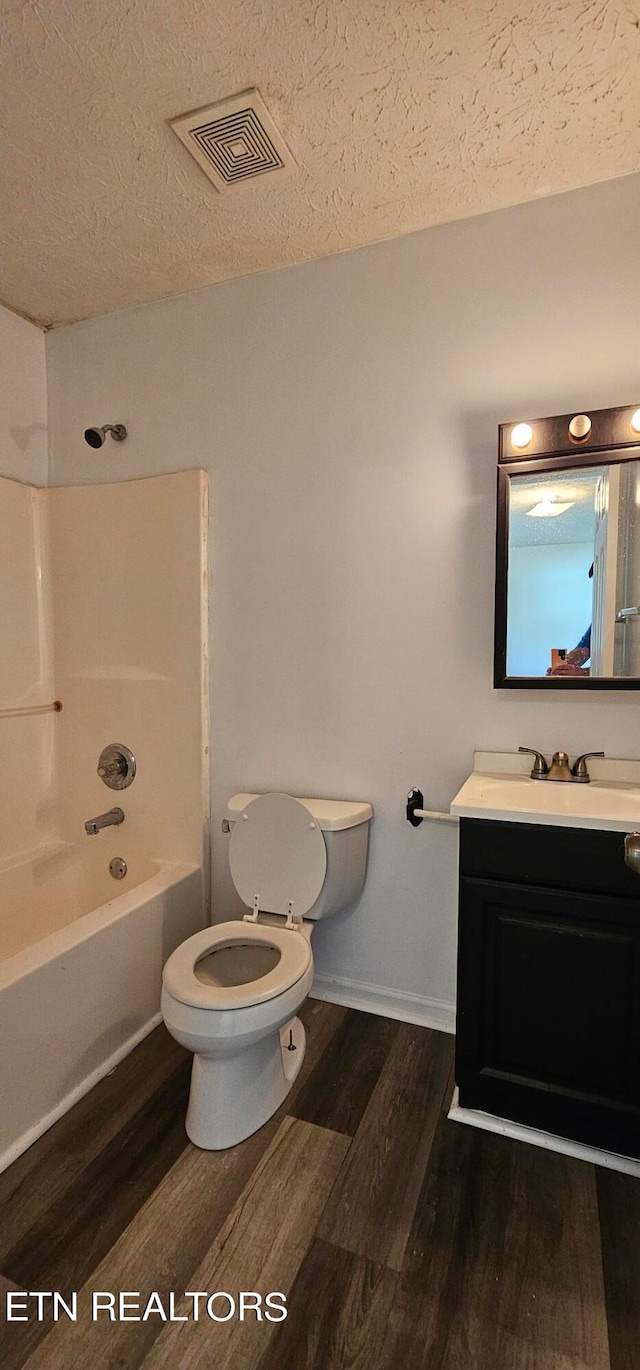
399 113
577 524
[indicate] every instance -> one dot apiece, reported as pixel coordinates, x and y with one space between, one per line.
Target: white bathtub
81 959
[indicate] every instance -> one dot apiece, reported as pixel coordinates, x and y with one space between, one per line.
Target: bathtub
81 959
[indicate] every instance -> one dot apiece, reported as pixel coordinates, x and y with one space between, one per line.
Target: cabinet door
548 1010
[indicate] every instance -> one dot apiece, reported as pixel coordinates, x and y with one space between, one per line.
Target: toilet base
232 1097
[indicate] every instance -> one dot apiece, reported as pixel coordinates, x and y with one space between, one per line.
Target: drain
118 868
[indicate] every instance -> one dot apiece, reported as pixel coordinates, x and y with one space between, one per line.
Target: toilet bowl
230 994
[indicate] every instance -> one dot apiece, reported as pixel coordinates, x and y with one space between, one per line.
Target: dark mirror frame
552 448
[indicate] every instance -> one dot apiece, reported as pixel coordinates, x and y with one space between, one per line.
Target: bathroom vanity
548 1007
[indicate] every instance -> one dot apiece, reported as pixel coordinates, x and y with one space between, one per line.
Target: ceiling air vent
234 140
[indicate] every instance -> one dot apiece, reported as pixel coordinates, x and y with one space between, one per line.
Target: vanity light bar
562 434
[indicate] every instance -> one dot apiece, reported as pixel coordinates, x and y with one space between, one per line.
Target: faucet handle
579 769
540 768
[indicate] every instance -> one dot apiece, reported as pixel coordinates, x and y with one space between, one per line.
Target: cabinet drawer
558 858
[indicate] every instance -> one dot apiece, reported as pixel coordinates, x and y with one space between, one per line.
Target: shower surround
103 600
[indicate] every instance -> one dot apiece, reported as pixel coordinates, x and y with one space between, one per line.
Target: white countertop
509 796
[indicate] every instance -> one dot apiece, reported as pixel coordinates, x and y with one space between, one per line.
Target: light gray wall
347 411
23 400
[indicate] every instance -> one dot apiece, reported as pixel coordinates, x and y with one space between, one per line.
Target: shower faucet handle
540 768
117 766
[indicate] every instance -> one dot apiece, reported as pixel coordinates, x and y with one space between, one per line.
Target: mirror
574 571
572 602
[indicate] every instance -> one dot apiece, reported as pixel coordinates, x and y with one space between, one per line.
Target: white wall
550 602
23 400
347 411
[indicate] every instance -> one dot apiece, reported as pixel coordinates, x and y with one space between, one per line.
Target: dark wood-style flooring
400 1239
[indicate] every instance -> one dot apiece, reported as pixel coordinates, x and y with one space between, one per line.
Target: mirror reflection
573 606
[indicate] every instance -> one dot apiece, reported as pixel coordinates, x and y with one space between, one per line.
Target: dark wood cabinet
548 1016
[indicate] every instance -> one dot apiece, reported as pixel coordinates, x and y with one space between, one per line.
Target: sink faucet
559 768
104 820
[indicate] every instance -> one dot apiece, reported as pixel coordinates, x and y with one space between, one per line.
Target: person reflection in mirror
575 662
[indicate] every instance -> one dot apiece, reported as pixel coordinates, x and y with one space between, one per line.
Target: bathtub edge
28 1138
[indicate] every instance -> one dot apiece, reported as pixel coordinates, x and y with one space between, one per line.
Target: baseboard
474 1117
388 1003
28 1138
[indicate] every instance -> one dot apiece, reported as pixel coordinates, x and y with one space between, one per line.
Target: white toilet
230 993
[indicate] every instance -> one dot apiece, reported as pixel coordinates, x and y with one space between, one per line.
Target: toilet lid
277 852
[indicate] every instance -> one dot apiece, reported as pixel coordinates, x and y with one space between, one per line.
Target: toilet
230 994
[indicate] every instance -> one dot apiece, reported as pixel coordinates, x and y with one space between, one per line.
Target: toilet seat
181 982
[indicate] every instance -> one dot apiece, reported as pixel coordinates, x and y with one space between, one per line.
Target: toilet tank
345 828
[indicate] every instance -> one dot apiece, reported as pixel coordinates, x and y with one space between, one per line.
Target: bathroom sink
612 804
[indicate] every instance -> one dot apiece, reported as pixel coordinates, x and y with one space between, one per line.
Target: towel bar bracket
416 812
415 800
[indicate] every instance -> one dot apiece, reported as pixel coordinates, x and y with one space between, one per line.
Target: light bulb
580 427
548 508
634 422
521 435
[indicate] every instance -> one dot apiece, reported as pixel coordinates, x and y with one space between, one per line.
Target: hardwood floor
401 1240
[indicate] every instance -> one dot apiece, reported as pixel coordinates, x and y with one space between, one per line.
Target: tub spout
104 820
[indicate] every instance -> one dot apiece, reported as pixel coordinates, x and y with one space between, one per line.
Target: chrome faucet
109 819
559 768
